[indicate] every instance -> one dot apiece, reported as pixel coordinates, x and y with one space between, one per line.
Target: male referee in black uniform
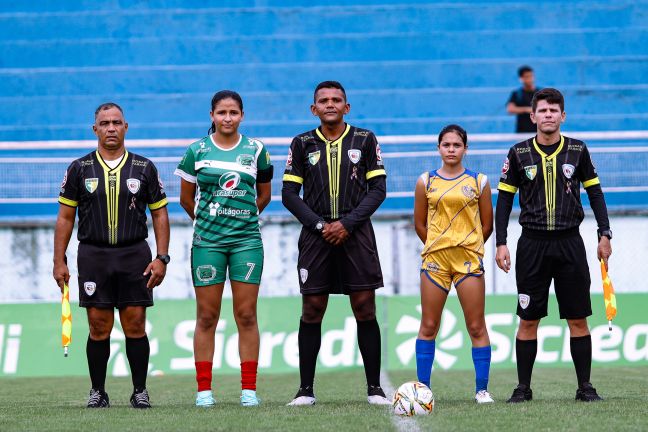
548 170
342 172
112 188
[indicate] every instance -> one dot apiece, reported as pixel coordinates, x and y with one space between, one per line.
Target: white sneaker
378 400
482 396
302 400
205 399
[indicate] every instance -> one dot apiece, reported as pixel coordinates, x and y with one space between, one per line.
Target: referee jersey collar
555 153
335 141
105 166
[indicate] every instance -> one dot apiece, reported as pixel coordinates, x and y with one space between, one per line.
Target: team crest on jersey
245 159
133 185
91 184
524 300
206 273
354 155
90 288
568 170
531 171
314 157
303 274
468 191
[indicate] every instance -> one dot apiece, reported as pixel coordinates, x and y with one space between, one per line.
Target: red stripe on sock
204 375
249 375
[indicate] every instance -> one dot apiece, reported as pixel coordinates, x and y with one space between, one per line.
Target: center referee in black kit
342 172
548 170
112 188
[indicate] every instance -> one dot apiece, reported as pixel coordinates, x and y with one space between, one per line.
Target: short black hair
551 95
106 106
456 129
328 84
524 69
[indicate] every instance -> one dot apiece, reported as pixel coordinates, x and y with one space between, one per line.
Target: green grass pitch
57 404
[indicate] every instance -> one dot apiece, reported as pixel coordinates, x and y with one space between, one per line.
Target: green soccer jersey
226 211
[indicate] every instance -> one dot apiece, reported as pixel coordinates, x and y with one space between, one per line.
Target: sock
138 351
369 344
581 352
309 340
204 375
526 351
249 375
481 359
98 353
424 360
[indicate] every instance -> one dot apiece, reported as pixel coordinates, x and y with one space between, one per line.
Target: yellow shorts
451 266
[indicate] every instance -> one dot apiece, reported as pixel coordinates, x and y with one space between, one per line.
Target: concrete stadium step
117 5
353 19
393 46
301 76
284 106
33 130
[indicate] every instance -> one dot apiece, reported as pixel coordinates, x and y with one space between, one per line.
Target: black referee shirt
336 175
112 202
549 184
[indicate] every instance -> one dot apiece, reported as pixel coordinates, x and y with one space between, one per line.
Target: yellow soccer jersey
453 212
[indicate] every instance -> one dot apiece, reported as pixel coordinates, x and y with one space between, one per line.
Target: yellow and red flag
608 296
66 320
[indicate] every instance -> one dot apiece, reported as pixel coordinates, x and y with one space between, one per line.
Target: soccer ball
413 398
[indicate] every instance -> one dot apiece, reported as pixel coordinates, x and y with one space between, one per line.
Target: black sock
98 353
137 351
310 339
581 352
526 351
369 343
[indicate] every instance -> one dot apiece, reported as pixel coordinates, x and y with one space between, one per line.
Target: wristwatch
605 233
164 258
319 226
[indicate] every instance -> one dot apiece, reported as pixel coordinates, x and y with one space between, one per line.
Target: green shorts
210 264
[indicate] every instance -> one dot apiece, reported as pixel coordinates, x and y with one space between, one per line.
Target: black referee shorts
113 276
326 269
563 259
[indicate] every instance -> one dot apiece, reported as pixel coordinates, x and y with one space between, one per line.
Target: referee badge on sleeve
524 300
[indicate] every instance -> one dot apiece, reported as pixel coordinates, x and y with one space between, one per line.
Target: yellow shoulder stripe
293 178
375 173
158 204
506 187
591 182
68 202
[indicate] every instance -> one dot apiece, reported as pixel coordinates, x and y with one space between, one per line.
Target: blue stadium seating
410 66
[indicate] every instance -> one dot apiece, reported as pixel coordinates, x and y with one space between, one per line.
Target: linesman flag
608 296
66 320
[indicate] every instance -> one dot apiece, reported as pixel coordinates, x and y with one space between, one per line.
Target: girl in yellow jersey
453 217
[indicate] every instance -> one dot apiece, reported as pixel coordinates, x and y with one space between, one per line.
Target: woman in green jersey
225 184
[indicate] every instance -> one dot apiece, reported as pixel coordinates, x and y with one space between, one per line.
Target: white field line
402 424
